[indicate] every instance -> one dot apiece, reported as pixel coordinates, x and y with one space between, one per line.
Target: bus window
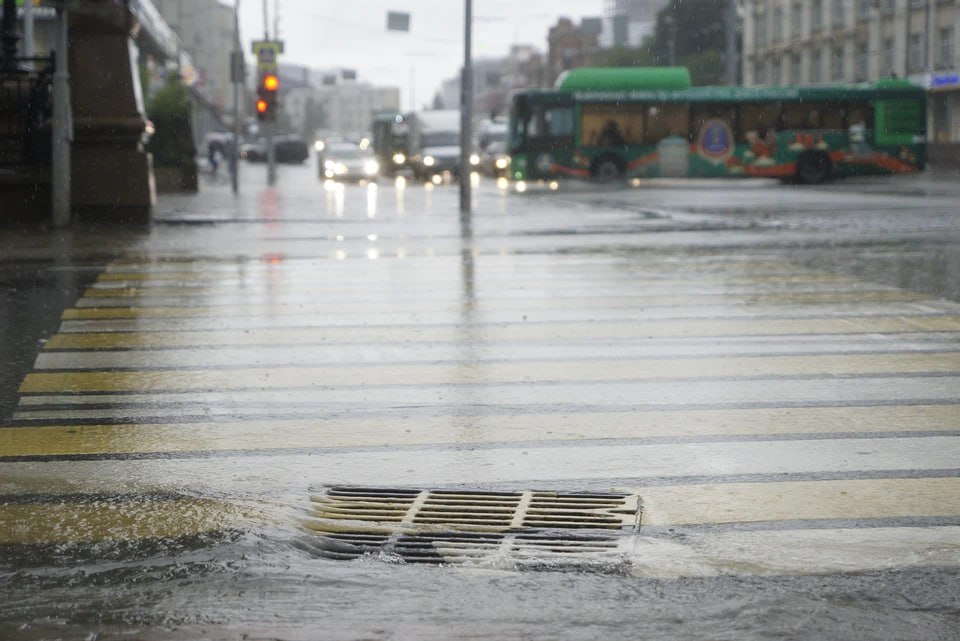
757 121
611 125
860 114
667 120
558 122
534 124
832 116
803 115
702 114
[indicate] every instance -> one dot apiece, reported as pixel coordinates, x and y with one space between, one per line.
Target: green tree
695 31
172 141
641 56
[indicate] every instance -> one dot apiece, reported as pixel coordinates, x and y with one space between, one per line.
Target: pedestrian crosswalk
753 404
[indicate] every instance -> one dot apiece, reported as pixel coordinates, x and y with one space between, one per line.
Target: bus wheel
607 169
813 168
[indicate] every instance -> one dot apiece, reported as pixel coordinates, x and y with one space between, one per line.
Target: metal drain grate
528 529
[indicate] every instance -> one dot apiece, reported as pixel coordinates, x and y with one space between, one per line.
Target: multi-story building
347 105
630 21
803 42
571 46
206 33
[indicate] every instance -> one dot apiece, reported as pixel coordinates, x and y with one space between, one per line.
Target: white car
348 162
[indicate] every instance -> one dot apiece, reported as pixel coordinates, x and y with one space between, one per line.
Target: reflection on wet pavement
791 429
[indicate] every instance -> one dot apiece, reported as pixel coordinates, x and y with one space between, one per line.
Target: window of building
796 69
778 25
915 52
889 64
760 74
863 8
888 7
816 16
946 51
760 28
863 62
816 67
796 17
838 67
839 13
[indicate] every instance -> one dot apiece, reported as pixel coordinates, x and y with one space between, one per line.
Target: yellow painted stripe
637 268
54 440
800 500
541 332
490 373
101 313
701 281
119 520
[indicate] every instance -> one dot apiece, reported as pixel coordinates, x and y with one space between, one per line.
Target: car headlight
428 161
474 159
319 146
371 167
503 163
329 164
399 159
340 169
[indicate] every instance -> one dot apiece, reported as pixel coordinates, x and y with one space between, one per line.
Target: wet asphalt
773 370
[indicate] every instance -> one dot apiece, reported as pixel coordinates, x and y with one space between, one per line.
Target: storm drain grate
527 529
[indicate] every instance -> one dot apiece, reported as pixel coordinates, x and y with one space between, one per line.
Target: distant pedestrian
213 156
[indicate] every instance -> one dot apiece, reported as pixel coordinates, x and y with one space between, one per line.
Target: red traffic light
271 82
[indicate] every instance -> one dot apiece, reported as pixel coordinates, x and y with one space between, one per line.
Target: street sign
397 21
267 53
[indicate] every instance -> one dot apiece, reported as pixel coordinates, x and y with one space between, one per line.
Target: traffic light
267 97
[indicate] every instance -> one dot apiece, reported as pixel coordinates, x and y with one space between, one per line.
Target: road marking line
59 440
715 300
800 500
796 552
491 373
120 520
512 332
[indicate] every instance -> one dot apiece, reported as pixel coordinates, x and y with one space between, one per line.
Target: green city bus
607 124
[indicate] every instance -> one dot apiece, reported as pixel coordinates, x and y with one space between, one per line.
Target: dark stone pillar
112 178
10 37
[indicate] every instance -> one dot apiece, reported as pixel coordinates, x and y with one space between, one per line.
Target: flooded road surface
681 410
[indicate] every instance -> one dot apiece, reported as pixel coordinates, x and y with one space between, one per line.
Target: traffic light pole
271 157
466 116
236 72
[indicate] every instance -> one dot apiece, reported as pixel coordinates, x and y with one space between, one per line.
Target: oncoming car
345 161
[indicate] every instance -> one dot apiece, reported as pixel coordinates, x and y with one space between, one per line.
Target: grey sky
352 34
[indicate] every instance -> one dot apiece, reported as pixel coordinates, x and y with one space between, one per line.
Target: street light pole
466 115
731 42
236 72
62 125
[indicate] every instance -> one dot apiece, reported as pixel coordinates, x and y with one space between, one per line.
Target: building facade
570 46
629 22
810 42
206 32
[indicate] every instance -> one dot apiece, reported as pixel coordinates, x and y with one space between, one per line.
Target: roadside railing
26 113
